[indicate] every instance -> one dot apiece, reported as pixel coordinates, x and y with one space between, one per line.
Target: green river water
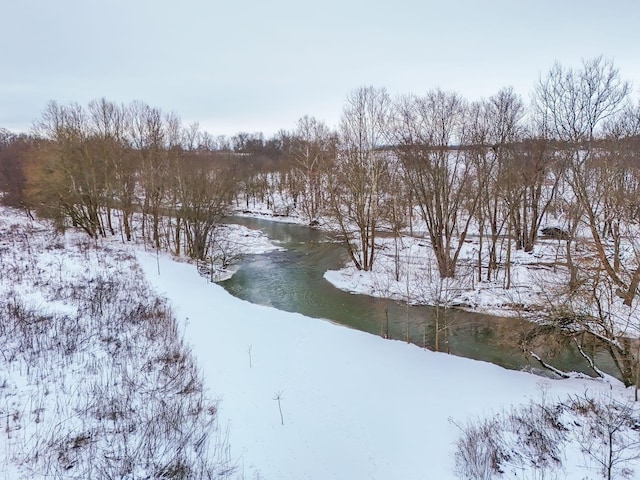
292 280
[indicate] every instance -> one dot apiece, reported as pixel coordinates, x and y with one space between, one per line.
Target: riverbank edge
354 281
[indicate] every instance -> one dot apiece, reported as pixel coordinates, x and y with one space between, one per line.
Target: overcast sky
244 65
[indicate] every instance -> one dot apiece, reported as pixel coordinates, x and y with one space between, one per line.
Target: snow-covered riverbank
353 405
406 270
302 398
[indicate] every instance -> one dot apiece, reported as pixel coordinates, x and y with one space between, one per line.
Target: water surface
292 280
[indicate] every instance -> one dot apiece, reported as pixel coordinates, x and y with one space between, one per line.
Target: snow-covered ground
531 275
353 405
233 241
95 380
304 398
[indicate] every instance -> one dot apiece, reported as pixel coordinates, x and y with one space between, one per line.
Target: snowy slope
355 406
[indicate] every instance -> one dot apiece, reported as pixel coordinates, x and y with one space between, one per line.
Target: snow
235 241
95 381
354 405
419 281
538 283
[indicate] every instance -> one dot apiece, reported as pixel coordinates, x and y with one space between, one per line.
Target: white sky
246 65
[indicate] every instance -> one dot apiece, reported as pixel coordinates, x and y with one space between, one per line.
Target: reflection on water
292 281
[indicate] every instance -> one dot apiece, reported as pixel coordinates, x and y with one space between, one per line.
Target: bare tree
203 191
573 105
494 129
68 175
14 151
313 149
440 177
109 124
357 181
607 435
148 138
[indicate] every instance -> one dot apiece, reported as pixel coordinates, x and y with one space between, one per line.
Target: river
292 280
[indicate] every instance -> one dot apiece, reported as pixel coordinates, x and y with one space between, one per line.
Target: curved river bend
292 280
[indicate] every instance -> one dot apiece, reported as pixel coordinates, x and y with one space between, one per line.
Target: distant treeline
495 166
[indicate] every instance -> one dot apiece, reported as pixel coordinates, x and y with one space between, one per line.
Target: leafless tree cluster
96 167
495 172
491 166
13 151
586 115
566 168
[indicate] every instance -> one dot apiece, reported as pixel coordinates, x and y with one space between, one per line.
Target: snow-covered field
302 398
